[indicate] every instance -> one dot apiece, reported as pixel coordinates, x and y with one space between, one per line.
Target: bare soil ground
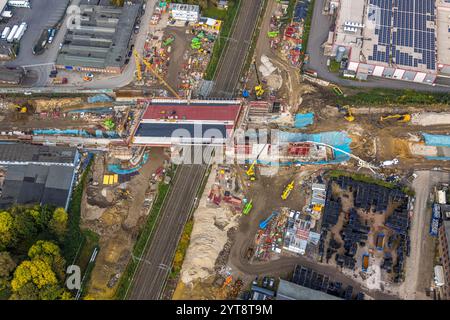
116 213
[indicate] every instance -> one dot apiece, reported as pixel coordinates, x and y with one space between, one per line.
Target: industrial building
396 39
31 174
290 291
184 12
169 122
102 42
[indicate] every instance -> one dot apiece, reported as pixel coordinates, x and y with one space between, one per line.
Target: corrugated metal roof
290 291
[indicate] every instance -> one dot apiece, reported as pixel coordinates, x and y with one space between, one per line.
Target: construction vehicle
348 114
401 118
247 208
251 171
259 90
337 91
287 190
21 109
263 224
60 80
168 41
149 66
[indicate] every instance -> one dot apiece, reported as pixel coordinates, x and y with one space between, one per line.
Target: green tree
7 264
58 223
6 229
24 225
51 254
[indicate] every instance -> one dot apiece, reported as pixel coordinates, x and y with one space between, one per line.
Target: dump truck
60 80
365 262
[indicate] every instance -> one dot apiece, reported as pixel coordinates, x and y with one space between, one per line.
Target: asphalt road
419 266
232 60
148 282
320 27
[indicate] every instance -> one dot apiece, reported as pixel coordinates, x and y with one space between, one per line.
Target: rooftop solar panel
406 24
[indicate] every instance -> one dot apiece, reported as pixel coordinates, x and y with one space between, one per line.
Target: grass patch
91 242
335 66
215 13
181 249
75 238
222 40
395 97
307 26
144 238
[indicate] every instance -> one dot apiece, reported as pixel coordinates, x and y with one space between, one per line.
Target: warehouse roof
30 184
169 130
102 27
21 153
193 112
291 291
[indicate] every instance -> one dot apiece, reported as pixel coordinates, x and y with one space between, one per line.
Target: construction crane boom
150 67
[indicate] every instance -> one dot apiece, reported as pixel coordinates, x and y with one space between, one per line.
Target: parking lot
43 15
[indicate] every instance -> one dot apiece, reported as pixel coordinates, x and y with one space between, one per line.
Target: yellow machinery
259 90
287 190
251 172
150 67
399 117
21 109
348 114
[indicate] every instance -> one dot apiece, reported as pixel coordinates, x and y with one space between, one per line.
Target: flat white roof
3 3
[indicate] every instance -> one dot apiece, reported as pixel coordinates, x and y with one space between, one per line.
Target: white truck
5 33
20 32
12 33
19 3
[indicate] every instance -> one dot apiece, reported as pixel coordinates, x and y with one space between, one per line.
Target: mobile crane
149 66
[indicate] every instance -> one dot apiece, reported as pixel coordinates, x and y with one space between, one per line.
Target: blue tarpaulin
436 140
115 168
303 120
99 98
336 139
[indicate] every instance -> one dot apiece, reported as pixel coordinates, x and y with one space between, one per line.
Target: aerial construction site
230 150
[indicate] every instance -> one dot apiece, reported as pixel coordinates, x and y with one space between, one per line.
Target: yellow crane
399 117
287 190
149 66
259 90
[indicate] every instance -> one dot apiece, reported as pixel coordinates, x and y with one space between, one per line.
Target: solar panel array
404 27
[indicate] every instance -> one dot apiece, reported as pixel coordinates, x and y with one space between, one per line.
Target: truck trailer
5 33
12 33
20 32
19 3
